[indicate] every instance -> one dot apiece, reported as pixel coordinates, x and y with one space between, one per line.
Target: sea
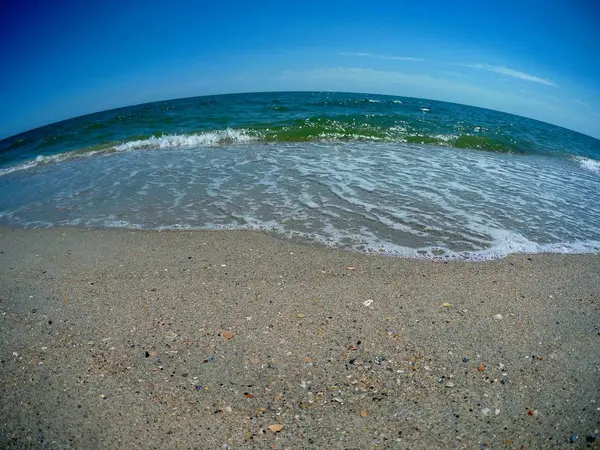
360 172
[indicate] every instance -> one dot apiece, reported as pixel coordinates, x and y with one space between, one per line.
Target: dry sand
131 339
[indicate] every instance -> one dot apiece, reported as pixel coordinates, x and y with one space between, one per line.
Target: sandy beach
230 339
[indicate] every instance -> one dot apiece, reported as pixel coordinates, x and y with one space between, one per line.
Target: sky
65 58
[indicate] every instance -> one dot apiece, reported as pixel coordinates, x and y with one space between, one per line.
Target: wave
51 159
59 157
207 139
211 138
314 129
590 164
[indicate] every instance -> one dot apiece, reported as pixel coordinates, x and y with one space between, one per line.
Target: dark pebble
591 437
34 310
574 438
147 354
465 358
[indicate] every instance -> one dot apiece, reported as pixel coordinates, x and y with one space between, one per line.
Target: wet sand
132 339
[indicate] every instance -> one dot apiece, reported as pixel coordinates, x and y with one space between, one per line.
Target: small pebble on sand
171 336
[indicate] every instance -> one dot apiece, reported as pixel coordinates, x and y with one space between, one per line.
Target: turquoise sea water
395 175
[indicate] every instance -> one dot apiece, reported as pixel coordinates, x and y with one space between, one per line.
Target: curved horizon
530 59
284 92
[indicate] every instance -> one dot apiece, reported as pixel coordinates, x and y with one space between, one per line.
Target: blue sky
61 59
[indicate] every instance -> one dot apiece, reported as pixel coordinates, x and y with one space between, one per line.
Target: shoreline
181 338
297 238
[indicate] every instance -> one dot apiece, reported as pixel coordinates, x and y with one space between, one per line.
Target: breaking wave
590 164
206 139
350 128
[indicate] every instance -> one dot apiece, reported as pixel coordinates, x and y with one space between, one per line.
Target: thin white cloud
378 56
581 103
510 73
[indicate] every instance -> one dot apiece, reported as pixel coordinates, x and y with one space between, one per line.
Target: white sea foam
41 160
590 164
405 200
209 138
23 166
440 139
445 137
506 242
